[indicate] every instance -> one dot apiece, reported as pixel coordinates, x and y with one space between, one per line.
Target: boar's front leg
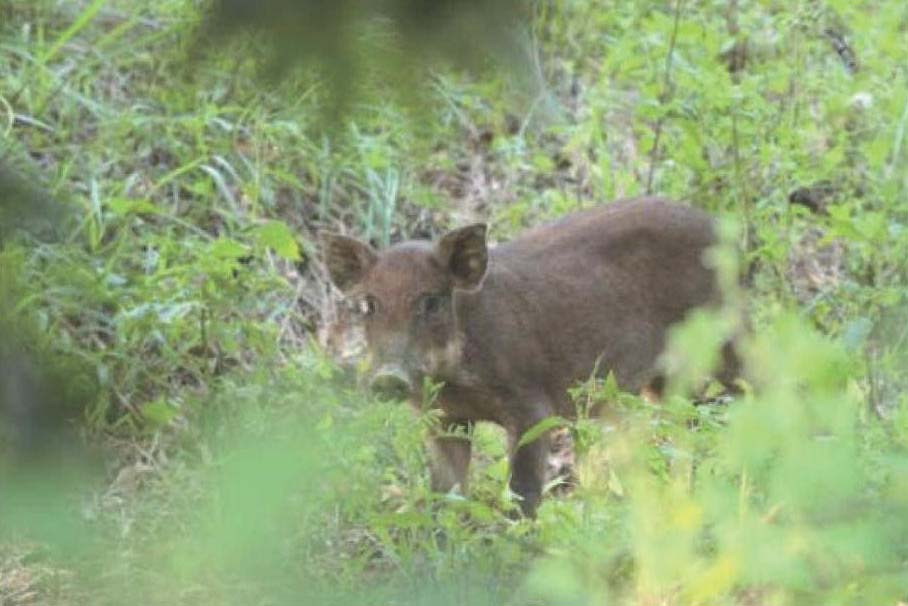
450 456
528 463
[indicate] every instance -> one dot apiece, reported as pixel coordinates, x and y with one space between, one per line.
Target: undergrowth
161 293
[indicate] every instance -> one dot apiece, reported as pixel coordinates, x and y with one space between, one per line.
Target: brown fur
513 327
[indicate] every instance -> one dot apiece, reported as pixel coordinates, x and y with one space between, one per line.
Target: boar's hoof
391 384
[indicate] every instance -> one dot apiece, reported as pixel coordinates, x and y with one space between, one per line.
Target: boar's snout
392 383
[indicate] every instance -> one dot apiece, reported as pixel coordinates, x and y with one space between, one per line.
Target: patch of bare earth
815 267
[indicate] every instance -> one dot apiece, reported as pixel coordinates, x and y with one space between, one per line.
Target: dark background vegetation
174 422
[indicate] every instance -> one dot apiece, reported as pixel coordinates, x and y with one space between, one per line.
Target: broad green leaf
533 433
158 413
227 248
277 236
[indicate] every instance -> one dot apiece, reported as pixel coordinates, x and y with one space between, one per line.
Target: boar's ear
463 252
347 259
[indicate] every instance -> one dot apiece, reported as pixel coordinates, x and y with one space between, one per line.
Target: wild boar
507 330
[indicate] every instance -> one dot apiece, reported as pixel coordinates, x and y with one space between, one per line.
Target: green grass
219 457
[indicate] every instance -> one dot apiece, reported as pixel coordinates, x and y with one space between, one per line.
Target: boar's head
403 300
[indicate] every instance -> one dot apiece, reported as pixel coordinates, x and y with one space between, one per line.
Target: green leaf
498 470
158 413
614 484
610 390
227 248
84 18
124 206
534 432
277 236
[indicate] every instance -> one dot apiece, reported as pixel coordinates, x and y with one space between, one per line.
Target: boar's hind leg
450 457
730 368
528 467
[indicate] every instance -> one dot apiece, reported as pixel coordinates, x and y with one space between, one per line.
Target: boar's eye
430 305
362 306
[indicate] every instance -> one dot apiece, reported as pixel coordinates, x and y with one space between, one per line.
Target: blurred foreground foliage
159 291
285 484
357 48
